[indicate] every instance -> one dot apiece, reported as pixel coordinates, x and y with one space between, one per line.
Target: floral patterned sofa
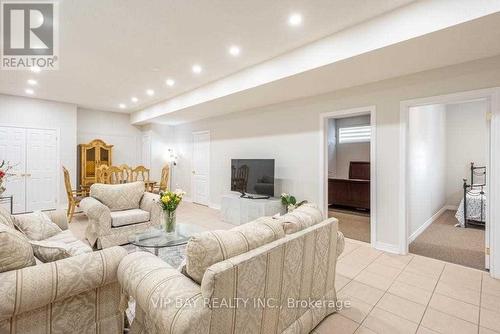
266 276
76 294
116 211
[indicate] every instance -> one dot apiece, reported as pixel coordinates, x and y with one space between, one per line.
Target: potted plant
290 202
5 167
169 201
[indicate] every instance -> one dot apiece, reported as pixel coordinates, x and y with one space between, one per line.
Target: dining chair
74 196
164 179
127 172
140 173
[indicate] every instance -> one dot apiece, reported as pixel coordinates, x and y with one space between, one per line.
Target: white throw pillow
36 225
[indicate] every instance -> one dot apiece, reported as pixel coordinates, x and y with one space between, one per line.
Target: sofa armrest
171 302
96 211
32 287
340 243
59 218
151 202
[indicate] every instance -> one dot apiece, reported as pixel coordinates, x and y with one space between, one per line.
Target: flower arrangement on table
169 201
5 167
290 202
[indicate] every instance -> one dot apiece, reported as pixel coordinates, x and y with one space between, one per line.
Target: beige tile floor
390 293
410 294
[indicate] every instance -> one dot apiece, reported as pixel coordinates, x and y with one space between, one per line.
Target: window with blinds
355 134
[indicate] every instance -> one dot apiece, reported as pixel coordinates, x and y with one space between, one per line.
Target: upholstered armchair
116 211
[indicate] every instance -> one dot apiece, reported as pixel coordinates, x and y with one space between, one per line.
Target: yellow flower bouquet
169 201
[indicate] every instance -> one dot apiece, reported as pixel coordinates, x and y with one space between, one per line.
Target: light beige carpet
443 241
353 225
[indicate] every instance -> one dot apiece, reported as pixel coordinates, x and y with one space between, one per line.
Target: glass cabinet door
104 156
90 156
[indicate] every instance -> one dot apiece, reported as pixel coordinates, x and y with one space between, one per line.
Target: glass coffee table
167 246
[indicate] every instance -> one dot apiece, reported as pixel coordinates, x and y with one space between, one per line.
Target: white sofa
78 294
266 276
116 211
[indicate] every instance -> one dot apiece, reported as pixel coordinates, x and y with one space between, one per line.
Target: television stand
243 195
239 210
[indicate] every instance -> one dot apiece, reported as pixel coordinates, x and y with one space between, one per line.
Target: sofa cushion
306 215
118 197
36 225
128 217
5 218
208 248
15 250
70 240
50 251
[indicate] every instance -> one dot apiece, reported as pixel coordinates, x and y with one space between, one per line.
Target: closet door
41 169
13 149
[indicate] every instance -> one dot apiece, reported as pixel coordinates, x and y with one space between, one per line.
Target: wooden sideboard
353 192
91 156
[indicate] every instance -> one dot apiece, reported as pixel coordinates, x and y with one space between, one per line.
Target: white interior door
200 172
13 150
41 169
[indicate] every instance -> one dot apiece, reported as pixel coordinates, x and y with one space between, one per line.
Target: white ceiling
473 40
111 50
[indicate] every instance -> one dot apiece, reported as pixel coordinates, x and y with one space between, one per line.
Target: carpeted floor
354 225
443 241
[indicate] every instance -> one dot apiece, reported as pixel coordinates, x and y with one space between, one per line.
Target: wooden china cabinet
91 156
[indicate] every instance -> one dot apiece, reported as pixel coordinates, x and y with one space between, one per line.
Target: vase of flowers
290 202
5 167
169 202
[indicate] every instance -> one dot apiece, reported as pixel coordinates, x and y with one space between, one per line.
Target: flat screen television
253 177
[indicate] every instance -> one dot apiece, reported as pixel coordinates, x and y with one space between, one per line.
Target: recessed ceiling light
295 19
35 69
170 82
134 99
234 50
150 92
29 91
122 106
196 68
32 82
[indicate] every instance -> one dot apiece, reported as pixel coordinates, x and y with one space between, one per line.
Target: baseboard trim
389 248
429 221
214 206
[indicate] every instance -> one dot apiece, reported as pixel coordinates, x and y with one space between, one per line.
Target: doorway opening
447 165
349 143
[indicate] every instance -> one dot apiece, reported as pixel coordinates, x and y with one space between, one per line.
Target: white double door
33 153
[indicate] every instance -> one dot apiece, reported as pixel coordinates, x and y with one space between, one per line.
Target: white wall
290 133
35 113
347 152
426 165
467 135
162 138
115 129
332 147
